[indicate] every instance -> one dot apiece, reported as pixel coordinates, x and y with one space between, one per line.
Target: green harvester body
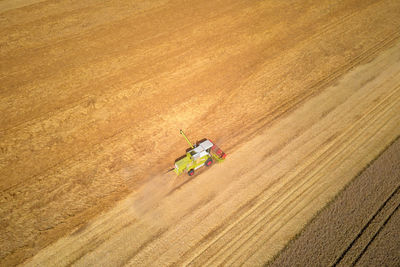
202 154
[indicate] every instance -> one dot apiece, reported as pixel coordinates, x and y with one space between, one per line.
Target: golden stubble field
93 95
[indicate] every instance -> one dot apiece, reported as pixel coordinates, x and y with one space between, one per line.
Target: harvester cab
202 154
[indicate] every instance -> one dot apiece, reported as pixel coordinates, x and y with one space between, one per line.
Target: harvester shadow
183 179
179 185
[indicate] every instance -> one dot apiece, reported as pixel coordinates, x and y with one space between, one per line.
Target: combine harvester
201 154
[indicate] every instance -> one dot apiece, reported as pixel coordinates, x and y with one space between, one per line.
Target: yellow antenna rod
187 140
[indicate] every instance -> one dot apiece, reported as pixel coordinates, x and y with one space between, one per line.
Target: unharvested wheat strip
279 227
389 129
354 253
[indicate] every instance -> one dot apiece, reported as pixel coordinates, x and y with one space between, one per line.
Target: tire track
323 239
366 226
376 234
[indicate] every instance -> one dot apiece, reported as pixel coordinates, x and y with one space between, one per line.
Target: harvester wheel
208 162
191 172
